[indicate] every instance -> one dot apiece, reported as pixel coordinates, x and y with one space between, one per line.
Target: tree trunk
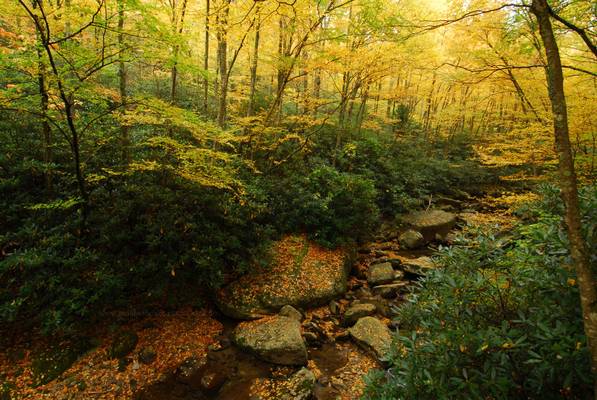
281 68
254 61
222 35
427 115
44 101
177 26
122 76
568 182
206 60
42 27
362 108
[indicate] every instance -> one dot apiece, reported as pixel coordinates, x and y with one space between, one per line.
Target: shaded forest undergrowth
182 243
153 237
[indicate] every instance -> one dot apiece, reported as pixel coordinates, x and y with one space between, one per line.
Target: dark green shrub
499 320
146 241
331 206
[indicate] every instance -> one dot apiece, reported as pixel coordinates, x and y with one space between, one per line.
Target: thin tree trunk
206 60
377 96
254 62
44 33
568 182
178 26
427 115
44 101
122 76
305 85
294 54
362 108
223 61
281 67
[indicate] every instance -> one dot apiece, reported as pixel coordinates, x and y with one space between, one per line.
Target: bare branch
581 32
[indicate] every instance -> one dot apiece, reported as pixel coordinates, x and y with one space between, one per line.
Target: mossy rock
51 363
301 274
147 355
124 343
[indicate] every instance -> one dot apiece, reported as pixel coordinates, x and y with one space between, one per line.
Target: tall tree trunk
568 182
427 115
43 29
122 76
44 101
281 68
206 60
362 108
254 62
344 99
222 35
378 95
177 26
304 96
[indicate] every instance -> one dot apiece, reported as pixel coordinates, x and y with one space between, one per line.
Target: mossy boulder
51 363
380 274
411 239
302 275
357 311
432 224
372 334
275 339
124 343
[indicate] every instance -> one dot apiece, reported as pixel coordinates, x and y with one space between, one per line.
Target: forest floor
183 338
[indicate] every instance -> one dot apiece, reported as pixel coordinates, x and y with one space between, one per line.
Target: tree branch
581 32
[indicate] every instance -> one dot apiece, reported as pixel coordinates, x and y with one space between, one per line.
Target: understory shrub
149 239
500 319
332 207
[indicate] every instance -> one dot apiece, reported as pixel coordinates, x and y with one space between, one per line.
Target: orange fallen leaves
174 337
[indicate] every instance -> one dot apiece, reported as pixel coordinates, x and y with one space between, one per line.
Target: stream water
228 373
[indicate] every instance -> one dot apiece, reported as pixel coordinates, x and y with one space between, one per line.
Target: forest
298 199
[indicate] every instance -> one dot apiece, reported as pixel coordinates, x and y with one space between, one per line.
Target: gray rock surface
418 266
372 334
275 339
390 290
411 240
432 224
291 312
380 274
357 311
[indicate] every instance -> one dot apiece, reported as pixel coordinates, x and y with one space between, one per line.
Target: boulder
372 334
291 312
411 240
418 266
147 355
275 339
302 275
190 372
357 311
123 344
299 386
380 274
390 290
432 224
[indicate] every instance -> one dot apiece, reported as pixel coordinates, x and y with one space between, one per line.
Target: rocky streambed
314 322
